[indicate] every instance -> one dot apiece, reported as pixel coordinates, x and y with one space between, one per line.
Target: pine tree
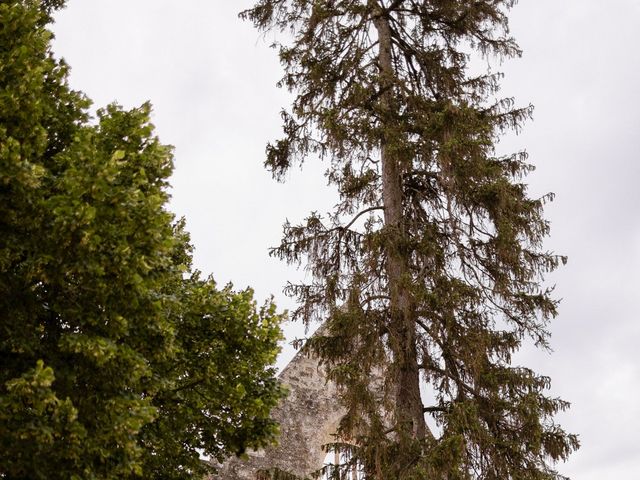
430 267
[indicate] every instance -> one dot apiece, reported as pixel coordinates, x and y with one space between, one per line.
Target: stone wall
308 417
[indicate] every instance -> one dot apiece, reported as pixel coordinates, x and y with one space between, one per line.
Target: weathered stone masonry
308 417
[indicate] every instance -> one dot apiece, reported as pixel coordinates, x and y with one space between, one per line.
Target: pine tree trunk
408 403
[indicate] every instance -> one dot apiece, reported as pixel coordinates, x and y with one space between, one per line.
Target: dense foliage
117 360
430 268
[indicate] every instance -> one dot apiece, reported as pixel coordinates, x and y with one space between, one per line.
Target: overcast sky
211 79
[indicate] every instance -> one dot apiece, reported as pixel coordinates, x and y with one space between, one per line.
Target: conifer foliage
117 359
430 267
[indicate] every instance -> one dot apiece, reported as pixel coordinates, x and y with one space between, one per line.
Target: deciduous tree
117 360
430 266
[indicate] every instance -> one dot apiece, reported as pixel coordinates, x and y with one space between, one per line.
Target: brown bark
408 402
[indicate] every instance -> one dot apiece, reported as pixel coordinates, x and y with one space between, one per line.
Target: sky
211 79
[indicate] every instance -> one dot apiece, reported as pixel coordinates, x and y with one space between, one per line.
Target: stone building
308 418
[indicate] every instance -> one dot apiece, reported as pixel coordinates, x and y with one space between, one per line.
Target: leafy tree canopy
117 359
